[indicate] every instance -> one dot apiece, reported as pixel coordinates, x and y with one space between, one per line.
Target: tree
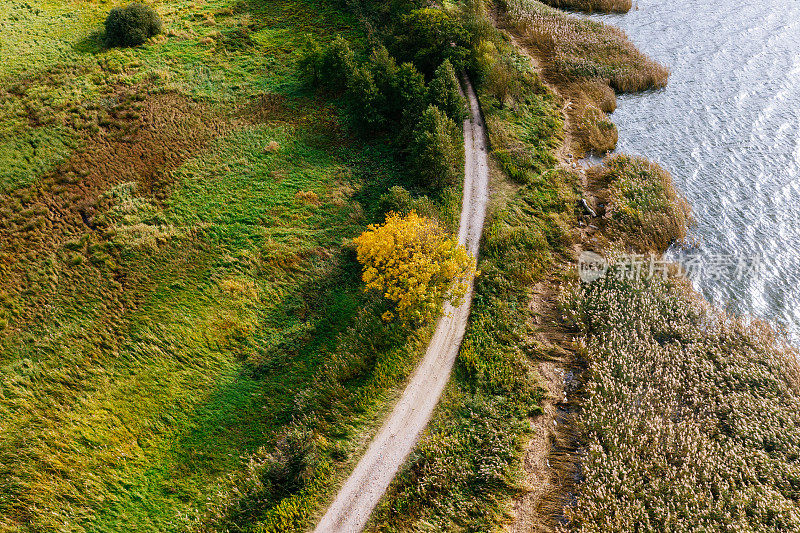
367 103
402 88
337 64
444 92
131 25
410 93
429 36
415 264
436 150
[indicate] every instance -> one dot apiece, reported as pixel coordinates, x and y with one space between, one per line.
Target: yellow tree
415 264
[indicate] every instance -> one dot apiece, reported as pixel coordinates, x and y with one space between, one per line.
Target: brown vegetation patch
551 462
577 49
48 232
640 205
585 61
592 6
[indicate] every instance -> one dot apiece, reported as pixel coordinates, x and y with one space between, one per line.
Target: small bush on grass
444 92
336 64
414 263
398 200
437 150
131 25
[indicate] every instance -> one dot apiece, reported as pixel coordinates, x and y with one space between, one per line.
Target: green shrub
397 200
367 103
336 65
444 92
132 25
310 62
430 36
437 150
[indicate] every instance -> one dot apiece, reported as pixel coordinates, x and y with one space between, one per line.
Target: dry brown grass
576 49
38 220
594 130
643 207
592 6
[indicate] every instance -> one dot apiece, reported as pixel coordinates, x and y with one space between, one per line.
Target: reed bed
691 420
576 49
644 208
592 6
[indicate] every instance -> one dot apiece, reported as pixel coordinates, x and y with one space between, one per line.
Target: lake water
728 129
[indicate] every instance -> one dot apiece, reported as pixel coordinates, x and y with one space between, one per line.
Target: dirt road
358 496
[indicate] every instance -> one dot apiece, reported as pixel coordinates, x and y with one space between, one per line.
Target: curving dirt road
358 496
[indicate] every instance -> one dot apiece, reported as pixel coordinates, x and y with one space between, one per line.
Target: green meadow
178 307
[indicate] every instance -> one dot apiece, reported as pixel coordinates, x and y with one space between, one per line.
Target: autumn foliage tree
415 264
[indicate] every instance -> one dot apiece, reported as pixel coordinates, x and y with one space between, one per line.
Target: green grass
179 322
522 117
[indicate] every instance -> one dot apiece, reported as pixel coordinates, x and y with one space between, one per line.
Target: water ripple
728 128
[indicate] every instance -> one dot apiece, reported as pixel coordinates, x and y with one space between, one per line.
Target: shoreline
545 505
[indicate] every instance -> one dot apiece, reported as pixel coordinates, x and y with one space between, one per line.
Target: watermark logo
592 266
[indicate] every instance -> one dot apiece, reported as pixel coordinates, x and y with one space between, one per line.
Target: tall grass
643 207
581 49
691 420
592 6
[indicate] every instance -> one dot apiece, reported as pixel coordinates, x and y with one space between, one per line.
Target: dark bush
336 65
444 92
131 25
367 103
429 36
437 151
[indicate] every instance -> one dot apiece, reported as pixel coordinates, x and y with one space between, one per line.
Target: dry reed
576 49
592 6
691 418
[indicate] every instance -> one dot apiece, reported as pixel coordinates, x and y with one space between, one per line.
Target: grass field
184 339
